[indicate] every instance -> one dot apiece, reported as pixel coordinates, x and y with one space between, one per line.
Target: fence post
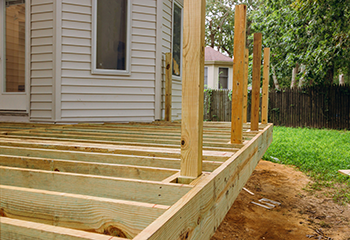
256 82
192 90
245 86
168 86
265 93
238 74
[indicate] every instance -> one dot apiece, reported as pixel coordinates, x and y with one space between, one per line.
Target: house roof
212 55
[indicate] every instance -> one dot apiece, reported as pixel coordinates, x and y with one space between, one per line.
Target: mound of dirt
301 215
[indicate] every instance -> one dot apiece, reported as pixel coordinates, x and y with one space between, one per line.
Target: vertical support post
238 74
192 90
256 82
168 86
245 86
265 94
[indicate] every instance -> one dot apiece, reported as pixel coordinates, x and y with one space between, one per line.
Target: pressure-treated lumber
254 117
245 86
172 163
168 86
192 89
265 89
186 211
238 74
198 214
81 212
14 229
92 185
94 168
161 151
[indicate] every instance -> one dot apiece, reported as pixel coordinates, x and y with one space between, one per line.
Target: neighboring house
218 70
88 60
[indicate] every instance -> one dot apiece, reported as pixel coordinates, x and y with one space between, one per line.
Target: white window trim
95 70
175 77
228 73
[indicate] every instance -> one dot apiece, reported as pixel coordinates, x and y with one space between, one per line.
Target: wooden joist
80 212
70 184
99 186
14 229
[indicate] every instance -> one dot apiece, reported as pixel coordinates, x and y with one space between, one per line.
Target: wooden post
168 86
245 86
192 90
265 95
238 74
256 82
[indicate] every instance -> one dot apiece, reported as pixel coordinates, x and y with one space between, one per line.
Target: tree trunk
275 82
341 80
301 80
330 75
294 76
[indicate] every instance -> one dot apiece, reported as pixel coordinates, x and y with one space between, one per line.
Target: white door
13 87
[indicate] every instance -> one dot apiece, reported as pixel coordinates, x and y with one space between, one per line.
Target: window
111 37
177 40
205 77
223 78
14 16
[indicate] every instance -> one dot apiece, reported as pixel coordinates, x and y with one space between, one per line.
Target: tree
313 33
220 23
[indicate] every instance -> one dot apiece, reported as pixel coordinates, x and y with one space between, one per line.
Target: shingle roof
212 55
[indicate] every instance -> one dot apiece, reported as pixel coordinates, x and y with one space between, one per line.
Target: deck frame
179 211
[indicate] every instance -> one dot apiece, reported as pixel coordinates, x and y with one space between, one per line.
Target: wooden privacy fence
317 107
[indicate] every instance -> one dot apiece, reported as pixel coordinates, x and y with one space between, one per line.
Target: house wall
167 34
213 75
63 89
42 60
91 97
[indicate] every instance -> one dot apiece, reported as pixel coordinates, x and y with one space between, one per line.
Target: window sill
110 72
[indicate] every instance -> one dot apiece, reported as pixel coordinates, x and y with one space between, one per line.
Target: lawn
320 153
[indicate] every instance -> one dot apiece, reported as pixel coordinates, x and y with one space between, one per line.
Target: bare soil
301 215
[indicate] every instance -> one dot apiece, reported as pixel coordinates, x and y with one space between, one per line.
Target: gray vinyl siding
94 97
41 60
167 34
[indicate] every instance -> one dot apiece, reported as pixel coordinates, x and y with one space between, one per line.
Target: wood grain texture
245 86
238 74
256 82
265 89
94 168
168 85
100 215
198 214
92 185
192 88
14 229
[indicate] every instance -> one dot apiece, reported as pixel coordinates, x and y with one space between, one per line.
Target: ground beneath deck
300 214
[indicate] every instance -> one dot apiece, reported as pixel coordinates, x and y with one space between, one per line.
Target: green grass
320 153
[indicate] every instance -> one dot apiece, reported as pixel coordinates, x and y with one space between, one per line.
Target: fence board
316 107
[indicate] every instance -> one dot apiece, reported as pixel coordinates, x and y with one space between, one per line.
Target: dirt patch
301 215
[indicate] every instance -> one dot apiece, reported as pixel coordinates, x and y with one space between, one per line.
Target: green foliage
319 153
314 33
310 32
219 23
208 97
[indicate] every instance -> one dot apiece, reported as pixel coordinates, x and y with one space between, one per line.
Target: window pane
111 34
15 46
223 78
205 77
177 41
